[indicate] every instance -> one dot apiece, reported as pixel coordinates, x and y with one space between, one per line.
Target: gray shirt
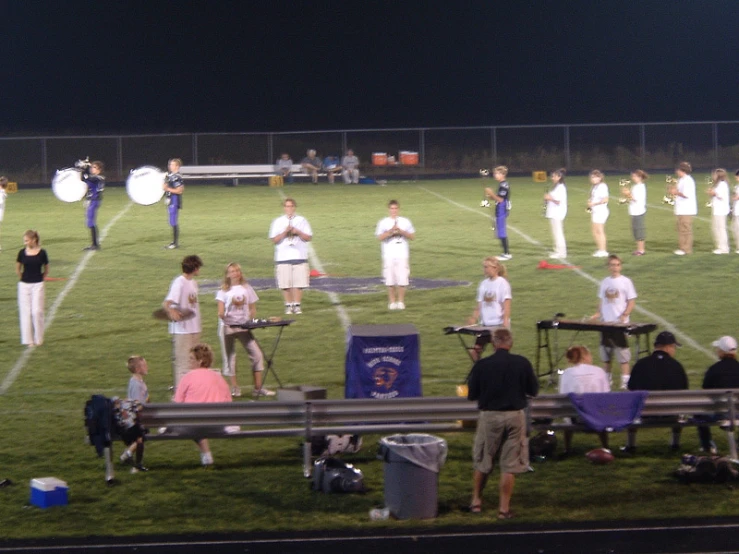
137 390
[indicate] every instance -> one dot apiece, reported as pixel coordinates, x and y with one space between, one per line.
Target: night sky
195 66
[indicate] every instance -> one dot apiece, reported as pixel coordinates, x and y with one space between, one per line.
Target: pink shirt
202 385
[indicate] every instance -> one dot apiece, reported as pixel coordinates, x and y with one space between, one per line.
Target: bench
236 172
404 415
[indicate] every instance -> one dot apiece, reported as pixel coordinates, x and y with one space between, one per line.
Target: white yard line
654 317
335 300
49 318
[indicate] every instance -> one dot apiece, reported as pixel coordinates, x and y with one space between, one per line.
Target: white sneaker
400 306
719 251
256 393
600 254
125 456
296 309
288 309
206 458
504 257
392 306
235 391
679 252
555 256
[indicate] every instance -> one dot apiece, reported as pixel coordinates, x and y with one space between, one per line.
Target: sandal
505 515
475 508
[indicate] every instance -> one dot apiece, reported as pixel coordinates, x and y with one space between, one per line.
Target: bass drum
68 186
145 185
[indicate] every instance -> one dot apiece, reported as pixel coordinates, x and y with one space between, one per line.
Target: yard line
662 321
335 300
49 319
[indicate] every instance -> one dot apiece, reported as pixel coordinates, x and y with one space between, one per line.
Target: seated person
311 165
582 377
284 167
350 167
724 374
203 384
658 371
331 167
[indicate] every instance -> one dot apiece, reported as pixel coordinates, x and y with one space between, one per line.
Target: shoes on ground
637 253
628 449
91 247
138 469
392 306
126 456
235 391
288 309
171 246
256 393
504 257
505 515
679 252
555 256
719 251
400 306
600 254
296 309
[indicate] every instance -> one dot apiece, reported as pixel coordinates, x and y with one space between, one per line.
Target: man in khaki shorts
500 384
290 234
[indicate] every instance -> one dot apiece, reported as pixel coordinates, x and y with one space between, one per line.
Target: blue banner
382 361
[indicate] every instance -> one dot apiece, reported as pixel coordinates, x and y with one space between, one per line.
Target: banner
382 361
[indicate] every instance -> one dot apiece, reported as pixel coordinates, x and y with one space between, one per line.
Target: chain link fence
451 151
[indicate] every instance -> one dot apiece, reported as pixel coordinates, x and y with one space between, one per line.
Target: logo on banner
384 377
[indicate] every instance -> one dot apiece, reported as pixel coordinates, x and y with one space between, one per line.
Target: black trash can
412 465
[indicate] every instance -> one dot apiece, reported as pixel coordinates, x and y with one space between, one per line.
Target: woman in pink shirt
200 385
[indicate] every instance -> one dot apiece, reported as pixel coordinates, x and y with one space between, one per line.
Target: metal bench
236 172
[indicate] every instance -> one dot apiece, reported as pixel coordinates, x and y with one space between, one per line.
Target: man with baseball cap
658 371
724 374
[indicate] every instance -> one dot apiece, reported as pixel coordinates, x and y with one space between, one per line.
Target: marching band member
95 186
290 234
556 211
637 196
3 198
720 203
236 306
493 302
686 207
173 189
616 301
394 232
598 205
502 208
32 267
735 211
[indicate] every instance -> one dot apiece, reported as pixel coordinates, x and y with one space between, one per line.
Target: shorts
396 272
132 434
599 218
614 345
292 276
639 226
503 435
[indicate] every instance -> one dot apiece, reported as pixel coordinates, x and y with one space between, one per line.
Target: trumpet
624 185
710 192
669 197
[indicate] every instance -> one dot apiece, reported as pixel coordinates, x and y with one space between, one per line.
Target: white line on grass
335 300
685 338
49 319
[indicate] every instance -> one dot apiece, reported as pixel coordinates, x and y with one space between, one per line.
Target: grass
258 484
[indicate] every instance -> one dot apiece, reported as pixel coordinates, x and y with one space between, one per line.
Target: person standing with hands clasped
501 385
598 206
555 206
394 232
173 189
32 267
686 207
502 201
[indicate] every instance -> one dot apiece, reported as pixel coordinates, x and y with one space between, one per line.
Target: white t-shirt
735 211
688 205
599 193
3 198
290 248
184 294
614 294
236 303
491 294
557 211
720 203
583 378
395 247
639 205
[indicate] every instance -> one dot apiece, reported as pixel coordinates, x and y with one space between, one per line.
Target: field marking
315 261
49 319
662 321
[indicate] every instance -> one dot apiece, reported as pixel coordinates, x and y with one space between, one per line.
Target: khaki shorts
501 434
292 276
396 272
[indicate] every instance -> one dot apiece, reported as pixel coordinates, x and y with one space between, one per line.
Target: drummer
173 189
94 197
493 308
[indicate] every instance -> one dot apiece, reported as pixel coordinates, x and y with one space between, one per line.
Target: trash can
412 464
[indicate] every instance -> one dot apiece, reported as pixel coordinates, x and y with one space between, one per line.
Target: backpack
98 414
706 469
333 475
330 445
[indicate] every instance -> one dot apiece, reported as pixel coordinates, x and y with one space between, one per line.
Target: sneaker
171 246
206 459
679 252
400 306
256 393
637 253
600 254
555 256
288 309
126 456
719 251
91 247
392 306
296 309
628 449
504 257
235 391
139 468
736 251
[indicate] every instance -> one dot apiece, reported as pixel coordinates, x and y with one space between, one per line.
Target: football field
98 313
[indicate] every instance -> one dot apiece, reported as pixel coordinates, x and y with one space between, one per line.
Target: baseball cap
727 344
666 338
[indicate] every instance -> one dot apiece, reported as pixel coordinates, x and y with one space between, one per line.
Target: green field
101 313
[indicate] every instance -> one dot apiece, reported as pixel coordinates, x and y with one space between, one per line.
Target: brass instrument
624 185
669 197
710 190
